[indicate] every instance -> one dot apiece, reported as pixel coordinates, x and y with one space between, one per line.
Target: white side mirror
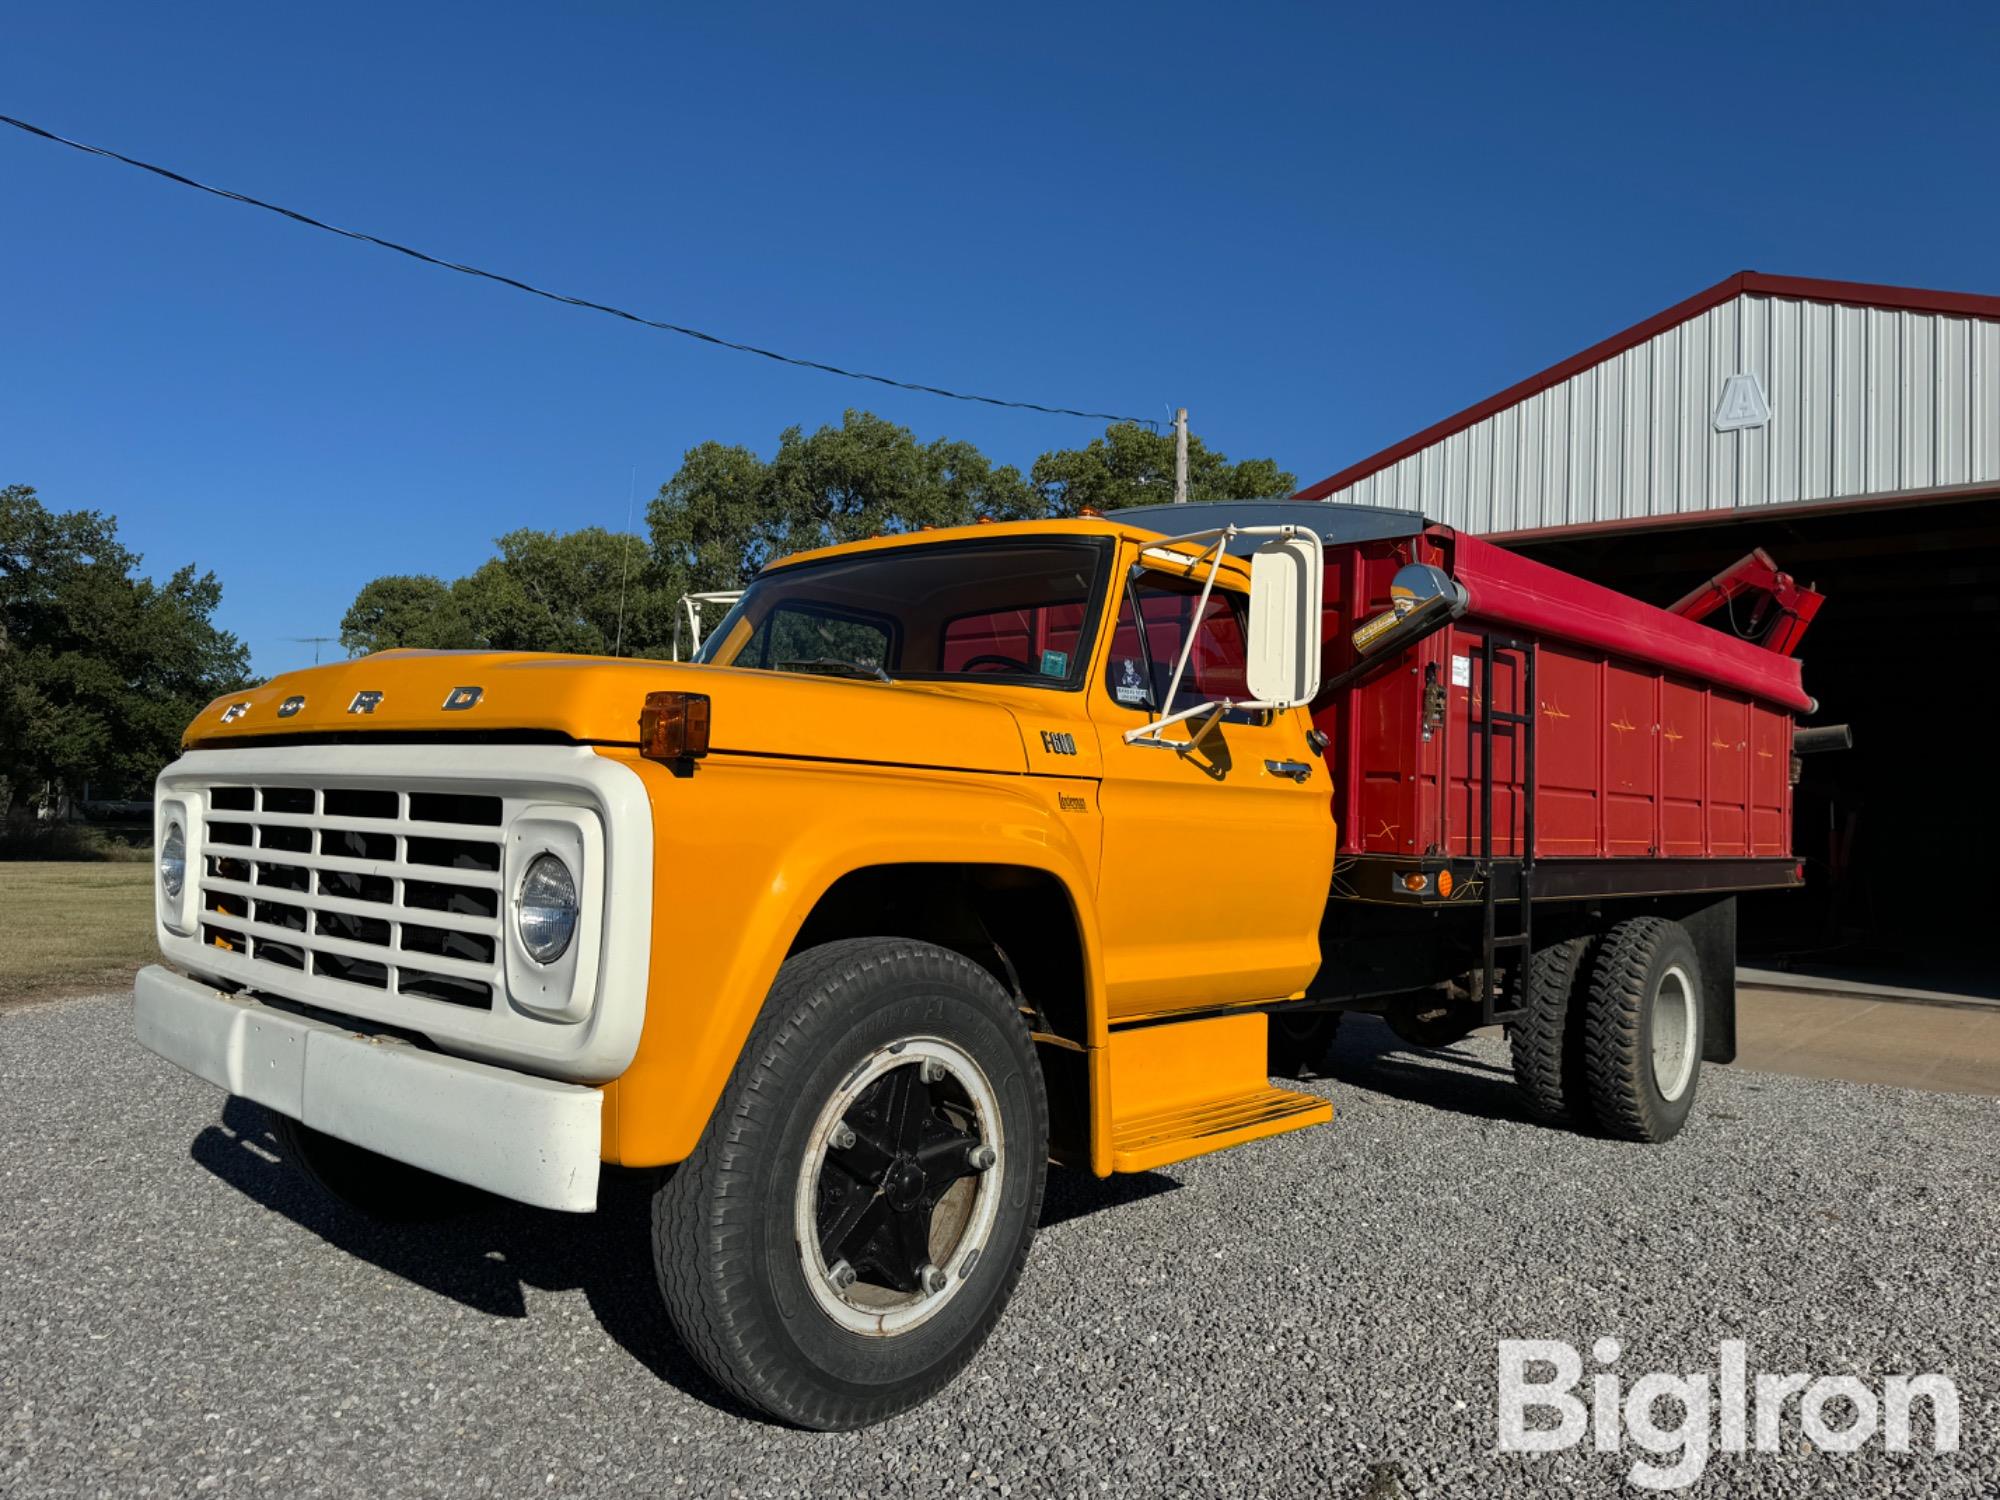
1287 578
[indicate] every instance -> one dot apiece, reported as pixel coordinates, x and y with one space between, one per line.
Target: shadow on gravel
1369 1055
1075 1194
487 1257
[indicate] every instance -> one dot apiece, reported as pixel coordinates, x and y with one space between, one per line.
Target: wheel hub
899 1189
903 1184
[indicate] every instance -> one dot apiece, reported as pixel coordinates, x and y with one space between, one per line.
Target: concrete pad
1825 984
1948 1049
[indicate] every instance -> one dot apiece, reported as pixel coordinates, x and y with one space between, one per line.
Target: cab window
1009 610
1153 623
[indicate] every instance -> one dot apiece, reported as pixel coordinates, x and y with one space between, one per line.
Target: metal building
1851 430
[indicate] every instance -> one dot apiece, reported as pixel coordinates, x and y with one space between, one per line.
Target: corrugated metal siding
1864 401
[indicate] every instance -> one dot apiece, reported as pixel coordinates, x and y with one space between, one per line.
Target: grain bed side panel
1728 774
1683 767
1569 751
1631 738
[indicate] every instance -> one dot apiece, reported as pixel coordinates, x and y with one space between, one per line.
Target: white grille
398 892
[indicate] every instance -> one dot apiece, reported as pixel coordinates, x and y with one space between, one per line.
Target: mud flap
1713 929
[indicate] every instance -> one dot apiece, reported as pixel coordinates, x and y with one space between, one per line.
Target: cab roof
1150 523
983 531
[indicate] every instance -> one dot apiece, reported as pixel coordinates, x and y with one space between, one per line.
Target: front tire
848 1230
1643 1032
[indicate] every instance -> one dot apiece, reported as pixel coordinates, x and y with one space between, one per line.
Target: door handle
1300 771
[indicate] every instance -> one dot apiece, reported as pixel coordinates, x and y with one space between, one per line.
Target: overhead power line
584 302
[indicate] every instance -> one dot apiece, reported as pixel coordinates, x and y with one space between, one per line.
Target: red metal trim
1805 288
1506 588
1785 511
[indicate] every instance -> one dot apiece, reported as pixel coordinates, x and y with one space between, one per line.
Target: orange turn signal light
673 726
1444 882
1416 882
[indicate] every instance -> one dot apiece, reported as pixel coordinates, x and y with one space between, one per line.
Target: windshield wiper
835 665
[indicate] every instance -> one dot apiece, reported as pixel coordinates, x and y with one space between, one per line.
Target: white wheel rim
959 1232
1676 1028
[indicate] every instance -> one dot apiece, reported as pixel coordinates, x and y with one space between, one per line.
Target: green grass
72 929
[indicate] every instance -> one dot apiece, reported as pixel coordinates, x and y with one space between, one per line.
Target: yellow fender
756 852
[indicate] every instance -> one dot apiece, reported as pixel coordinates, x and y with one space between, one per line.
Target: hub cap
899 1187
1674 1033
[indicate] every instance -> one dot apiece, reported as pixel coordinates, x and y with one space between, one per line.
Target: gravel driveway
1315 1315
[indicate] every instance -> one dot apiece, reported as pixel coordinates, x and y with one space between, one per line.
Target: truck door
1216 861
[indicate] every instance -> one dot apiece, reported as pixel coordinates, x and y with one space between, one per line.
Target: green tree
405 609
1130 465
593 591
726 512
709 523
869 475
100 670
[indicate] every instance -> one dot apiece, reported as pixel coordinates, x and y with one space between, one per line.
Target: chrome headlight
173 862
545 910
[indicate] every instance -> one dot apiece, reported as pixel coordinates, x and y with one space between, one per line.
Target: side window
1153 624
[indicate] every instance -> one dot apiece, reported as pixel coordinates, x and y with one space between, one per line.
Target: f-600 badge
1057 743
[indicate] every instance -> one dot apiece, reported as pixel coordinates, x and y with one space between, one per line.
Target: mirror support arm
1149 734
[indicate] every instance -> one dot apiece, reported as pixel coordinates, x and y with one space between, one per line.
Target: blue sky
1319 228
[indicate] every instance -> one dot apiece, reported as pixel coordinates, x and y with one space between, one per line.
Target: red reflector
673 726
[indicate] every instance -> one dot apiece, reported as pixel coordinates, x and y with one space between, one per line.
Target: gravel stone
1312 1315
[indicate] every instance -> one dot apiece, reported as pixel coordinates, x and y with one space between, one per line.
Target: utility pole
314 641
1180 456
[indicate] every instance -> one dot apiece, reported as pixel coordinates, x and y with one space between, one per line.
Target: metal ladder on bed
1519 724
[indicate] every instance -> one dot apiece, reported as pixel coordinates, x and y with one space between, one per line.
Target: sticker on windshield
1055 664
1131 686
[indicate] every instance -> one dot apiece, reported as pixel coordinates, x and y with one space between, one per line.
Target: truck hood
596 700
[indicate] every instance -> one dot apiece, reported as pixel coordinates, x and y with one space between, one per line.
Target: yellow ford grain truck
953 854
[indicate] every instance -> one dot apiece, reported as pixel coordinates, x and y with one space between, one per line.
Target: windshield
1014 611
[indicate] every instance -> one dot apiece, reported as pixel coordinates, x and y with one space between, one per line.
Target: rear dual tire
1611 1038
1642 1035
1547 1041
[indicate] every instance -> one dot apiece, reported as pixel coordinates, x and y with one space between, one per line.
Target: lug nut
842 1138
841 1274
980 1157
934 1280
931 1070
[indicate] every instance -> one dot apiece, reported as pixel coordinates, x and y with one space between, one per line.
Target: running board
1191 1087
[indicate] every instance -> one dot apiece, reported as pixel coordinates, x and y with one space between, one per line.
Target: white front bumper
531 1139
